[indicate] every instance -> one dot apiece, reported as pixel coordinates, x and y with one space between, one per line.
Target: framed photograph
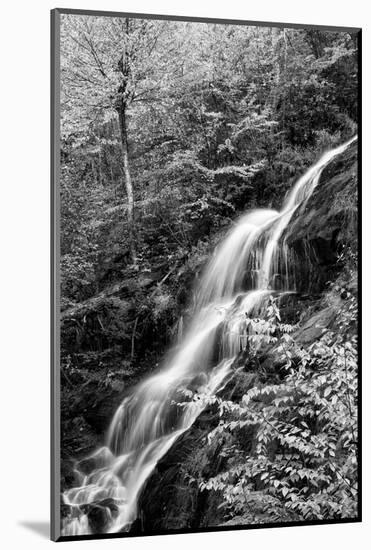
205 274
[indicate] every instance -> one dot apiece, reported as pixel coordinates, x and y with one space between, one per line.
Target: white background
24 287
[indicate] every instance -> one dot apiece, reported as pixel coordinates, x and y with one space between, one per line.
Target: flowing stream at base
248 266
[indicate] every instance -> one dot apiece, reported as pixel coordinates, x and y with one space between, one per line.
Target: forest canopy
170 128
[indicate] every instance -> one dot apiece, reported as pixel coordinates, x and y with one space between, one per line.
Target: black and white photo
206 361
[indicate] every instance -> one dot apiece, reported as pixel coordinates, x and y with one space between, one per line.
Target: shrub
303 453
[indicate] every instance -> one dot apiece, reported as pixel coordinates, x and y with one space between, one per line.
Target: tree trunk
128 182
317 42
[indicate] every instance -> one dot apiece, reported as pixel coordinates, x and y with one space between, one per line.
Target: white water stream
235 285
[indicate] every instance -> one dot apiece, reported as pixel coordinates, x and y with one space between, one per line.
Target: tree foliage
217 118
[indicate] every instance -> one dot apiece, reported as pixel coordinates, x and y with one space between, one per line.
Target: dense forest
170 131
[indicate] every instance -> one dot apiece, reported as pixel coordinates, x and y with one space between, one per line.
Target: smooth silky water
237 283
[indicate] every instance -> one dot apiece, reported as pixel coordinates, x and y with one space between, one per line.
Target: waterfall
236 284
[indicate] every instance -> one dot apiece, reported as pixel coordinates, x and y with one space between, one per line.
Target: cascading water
236 284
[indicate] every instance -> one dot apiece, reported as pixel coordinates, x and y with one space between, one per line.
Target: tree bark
317 42
128 182
124 66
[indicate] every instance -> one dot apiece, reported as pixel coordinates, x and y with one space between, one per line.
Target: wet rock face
169 500
100 513
172 499
317 235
